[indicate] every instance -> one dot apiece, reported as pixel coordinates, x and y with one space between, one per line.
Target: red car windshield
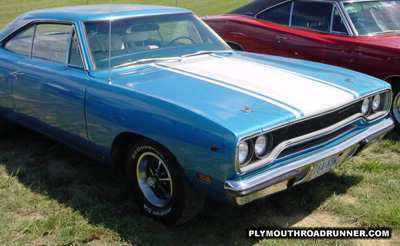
374 17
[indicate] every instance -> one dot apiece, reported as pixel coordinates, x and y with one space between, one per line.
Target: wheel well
120 146
394 81
235 46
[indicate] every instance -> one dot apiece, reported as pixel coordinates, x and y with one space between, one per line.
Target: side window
312 16
51 42
278 15
22 42
75 57
337 23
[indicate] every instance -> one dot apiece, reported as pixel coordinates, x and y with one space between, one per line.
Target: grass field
51 195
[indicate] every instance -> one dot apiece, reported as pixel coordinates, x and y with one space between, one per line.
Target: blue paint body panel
188 113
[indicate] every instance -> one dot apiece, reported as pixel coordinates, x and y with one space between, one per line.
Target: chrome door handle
281 37
16 74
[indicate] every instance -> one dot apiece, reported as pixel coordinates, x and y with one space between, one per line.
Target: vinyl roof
255 7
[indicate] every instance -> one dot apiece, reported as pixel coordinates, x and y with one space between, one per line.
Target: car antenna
109 46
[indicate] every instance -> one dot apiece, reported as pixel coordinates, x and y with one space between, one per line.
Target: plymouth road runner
155 91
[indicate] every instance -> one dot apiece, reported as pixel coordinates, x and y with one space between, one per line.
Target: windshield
150 38
374 17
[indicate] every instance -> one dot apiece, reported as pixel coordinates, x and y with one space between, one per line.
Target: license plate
324 167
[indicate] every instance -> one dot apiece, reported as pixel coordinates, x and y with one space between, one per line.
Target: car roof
95 12
255 7
88 13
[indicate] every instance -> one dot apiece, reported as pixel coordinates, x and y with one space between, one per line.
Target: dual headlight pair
257 147
374 104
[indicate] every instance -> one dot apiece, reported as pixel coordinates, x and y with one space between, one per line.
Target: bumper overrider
243 190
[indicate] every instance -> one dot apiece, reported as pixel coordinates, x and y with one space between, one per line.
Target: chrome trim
291 14
245 189
396 108
346 22
349 21
299 140
270 7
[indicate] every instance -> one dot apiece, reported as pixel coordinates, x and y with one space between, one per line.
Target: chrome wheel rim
154 179
396 108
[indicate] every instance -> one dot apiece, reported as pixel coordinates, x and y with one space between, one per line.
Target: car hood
246 92
386 40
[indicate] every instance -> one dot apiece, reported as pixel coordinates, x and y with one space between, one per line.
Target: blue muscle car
152 89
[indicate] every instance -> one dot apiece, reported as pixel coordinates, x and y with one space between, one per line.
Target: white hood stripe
354 93
296 112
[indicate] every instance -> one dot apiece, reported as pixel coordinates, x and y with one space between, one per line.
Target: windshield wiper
205 52
148 60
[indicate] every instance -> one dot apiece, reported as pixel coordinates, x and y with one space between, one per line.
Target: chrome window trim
291 14
270 7
334 3
350 22
346 22
310 136
34 23
74 31
337 7
332 15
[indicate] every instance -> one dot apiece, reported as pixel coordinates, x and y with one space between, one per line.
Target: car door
315 31
49 83
18 48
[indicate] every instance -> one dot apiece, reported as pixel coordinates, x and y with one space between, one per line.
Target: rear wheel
159 185
396 106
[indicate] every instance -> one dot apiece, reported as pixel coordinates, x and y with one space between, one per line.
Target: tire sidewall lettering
141 149
148 207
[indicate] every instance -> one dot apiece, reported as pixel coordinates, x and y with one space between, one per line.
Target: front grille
312 125
314 143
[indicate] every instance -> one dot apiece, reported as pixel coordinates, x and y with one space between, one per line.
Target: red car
359 35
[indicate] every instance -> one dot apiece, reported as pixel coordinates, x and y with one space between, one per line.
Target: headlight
376 102
243 152
365 106
261 145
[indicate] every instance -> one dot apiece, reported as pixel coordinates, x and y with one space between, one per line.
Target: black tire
159 184
395 111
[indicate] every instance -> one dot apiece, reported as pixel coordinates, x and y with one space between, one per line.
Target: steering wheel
181 37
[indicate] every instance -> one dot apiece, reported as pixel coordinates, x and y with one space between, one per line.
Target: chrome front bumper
244 190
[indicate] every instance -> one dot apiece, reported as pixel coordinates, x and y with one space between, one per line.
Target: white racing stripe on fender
295 112
278 86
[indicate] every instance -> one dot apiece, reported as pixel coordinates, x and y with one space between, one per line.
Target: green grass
51 195
10 9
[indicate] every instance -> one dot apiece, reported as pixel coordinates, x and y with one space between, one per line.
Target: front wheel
395 111
159 185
